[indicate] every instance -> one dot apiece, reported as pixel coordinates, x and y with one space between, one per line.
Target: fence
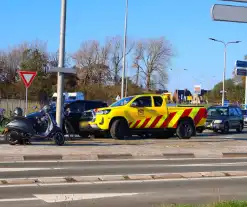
10 104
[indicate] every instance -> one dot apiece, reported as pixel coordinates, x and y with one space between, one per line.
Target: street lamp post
224 72
124 48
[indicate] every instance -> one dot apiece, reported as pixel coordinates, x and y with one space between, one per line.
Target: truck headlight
217 121
106 111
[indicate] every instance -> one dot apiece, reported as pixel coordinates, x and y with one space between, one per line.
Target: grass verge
220 204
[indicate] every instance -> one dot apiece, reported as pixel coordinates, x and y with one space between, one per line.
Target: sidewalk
110 149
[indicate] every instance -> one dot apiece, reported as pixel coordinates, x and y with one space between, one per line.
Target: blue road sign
241 71
241 64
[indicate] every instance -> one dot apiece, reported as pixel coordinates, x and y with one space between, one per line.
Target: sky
186 24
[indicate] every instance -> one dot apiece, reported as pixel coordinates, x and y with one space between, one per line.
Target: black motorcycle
21 130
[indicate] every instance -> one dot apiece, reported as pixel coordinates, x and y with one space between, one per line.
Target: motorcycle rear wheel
59 138
11 137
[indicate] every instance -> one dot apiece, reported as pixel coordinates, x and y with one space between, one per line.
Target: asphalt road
121 193
62 169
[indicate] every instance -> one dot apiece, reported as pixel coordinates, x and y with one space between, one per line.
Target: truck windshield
122 102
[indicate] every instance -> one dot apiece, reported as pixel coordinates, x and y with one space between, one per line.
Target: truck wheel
119 129
185 129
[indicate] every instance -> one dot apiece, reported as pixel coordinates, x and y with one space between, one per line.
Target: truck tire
119 129
185 129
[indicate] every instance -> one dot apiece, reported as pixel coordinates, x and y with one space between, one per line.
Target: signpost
27 78
63 70
241 71
241 64
242 1
229 13
197 89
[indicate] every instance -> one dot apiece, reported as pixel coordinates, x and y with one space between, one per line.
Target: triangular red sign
27 77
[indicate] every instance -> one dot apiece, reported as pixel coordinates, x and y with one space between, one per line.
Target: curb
119 156
132 177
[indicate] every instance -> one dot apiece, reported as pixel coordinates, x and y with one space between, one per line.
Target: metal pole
224 77
124 48
245 100
60 76
26 111
126 86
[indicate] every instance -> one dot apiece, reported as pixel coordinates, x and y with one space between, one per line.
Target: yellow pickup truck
147 114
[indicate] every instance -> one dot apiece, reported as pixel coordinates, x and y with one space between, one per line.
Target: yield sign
27 77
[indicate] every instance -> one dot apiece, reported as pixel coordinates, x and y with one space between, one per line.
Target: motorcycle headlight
106 111
218 121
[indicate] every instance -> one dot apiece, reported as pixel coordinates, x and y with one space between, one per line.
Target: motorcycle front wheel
59 138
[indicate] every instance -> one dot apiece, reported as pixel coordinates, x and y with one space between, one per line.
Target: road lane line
18 199
26 169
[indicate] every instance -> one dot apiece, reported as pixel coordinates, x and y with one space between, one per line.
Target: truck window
158 101
144 101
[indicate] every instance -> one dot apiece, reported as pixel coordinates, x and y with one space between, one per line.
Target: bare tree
153 56
116 56
92 62
10 62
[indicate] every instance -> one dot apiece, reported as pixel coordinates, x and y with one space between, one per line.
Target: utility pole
124 48
224 72
60 75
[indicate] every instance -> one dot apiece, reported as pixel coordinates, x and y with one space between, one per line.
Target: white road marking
54 198
127 160
123 182
164 165
26 169
18 199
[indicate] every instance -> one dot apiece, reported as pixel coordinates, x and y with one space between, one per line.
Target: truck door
160 108
140 112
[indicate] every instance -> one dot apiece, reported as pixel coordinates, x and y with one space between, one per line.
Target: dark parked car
224 118
74 112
